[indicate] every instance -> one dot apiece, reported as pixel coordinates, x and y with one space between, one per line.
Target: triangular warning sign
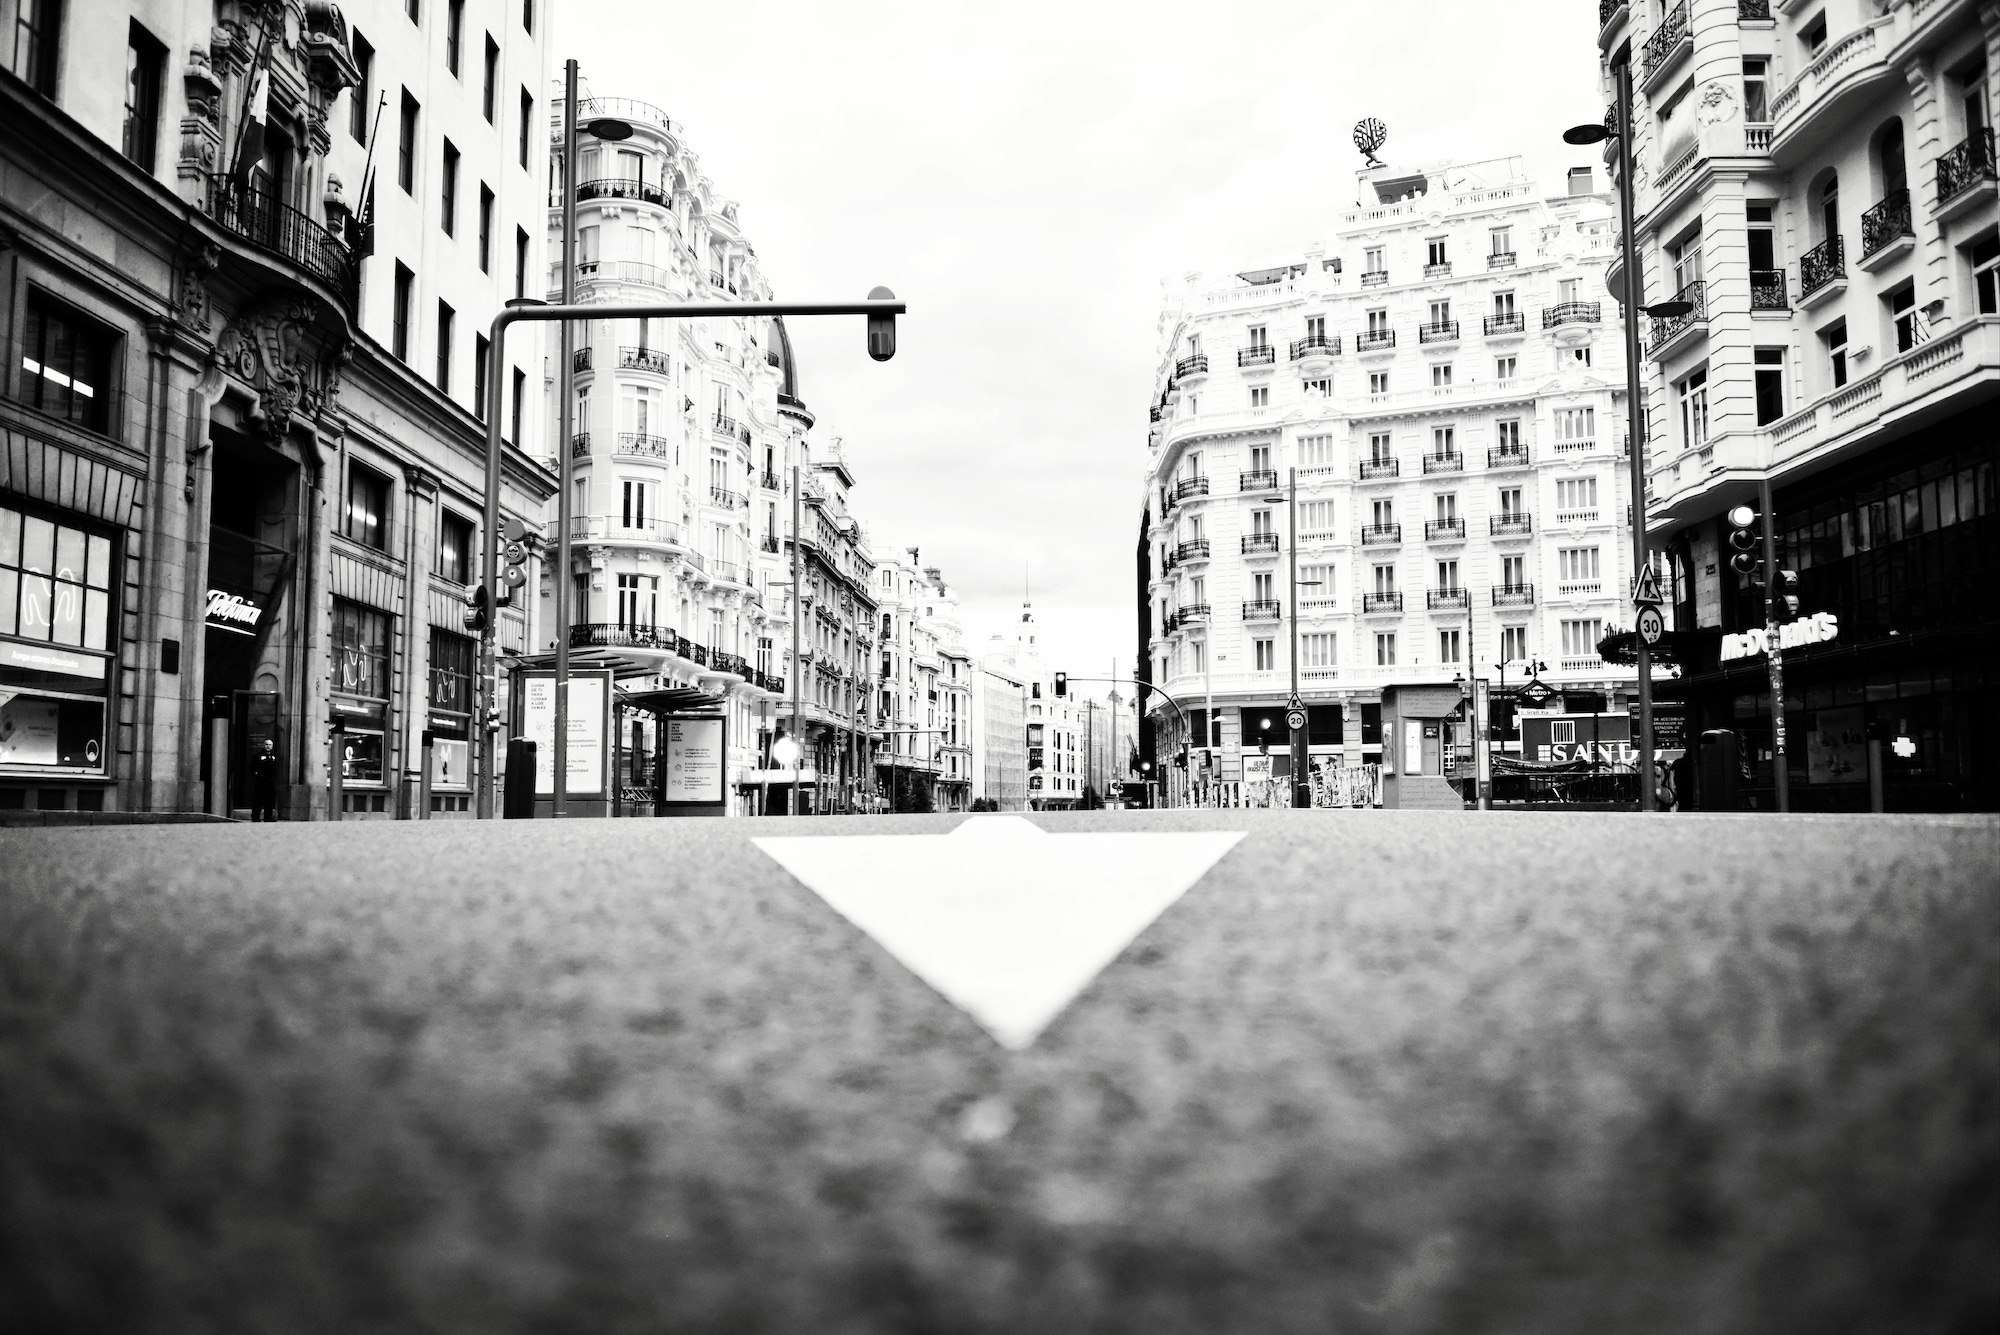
1646 588
1005 920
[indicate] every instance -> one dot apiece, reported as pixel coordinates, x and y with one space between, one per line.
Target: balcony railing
1254 543
1500 259
1767 290
1435 599
622 187
1821 265
1316 345
1374 468
643 359
1195 365
1262 609
1438 331
1442 269
1513 595
1381 602
1665 331
1507 458
1194 549
1258 479
1964 166
1368 340
1443 530
1513 524
1375 278
770 481
260 219
1885 223
1155 413
1190 486
1673 30
725 425
1757 138
769 543
611 635
1513 322
1572 312
638 442
1444 463
1753 9
1257 356
1381 535
727 571
579 445
579 361
725 498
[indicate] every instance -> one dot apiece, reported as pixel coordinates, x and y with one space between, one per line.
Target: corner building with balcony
924 761
1449 386
242 392
1819 179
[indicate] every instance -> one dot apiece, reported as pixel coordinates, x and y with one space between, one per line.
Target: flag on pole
250 149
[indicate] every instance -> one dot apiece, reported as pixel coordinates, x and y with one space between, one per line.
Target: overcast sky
1024 175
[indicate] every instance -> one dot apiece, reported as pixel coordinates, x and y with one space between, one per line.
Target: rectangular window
145 60
1318 650
520 394
1447 576
1385 579
489 91
1903 316
1835 339
527 124
520 261
399 315
406 145
38 43
1260 396
455 543
1316 518
1510 501
1261 586
1579 638
1448 646
1502 240
1576 498
1385 649
361 97
1316 326
1260 337
1441 312
1694 410
446 319
66 365
1513 644
1507 435
1266 655
360 652
1770 373
636 502
1503 305
485 228
55 582
1373 260
1985 259
1434 251
1577 565
1447 507
1756 103
1441 375
452 664
1317 452
1317 389
482 385
1576 428
1380 451
1378 383
1513 571
448 193
454 28
1378 321
367 517
1505 368
528 15
1316 581
1444 442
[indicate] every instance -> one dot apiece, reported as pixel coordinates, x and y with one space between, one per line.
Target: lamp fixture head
607 127
1670 310
1581 136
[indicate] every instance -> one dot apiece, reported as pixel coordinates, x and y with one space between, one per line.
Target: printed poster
589 706
694 760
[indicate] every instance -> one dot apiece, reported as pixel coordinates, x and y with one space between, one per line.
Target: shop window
66 364
452 658
360 650
367 519
55 582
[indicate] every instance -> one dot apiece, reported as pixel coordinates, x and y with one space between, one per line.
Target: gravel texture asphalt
1377 1072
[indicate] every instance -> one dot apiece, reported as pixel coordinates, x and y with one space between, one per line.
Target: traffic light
478 602
1784 597
1746 541
1062 684
881 328
515 553
1181 757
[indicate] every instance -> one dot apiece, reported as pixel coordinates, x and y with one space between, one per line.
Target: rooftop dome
781 357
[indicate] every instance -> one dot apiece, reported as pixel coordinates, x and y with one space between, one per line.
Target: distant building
1053 727
999 705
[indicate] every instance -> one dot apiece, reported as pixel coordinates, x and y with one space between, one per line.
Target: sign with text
1755 642
1596 739
589 724
233 612
694 758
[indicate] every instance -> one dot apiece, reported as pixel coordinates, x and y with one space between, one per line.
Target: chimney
1580 182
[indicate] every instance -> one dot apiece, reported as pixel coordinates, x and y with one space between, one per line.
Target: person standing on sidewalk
264 782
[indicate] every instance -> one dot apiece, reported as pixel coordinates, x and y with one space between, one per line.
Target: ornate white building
1448 385
925 688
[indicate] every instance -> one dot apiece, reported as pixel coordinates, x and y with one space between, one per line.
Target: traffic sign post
1295 718
1646 588
1650 624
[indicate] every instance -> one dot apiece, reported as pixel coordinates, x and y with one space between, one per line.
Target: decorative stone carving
191 300
278 349
1717 104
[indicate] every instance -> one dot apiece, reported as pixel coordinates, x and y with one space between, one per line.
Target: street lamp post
1597 133
1301 789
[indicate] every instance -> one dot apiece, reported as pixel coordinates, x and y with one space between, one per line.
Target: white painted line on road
1005 920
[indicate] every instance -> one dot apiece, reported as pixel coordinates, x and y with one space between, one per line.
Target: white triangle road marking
1005 920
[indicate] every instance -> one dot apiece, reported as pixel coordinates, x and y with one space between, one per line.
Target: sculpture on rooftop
1369 136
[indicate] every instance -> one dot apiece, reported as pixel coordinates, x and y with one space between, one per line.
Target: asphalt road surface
1376 1072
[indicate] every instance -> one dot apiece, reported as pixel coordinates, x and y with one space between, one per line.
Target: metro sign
1755 642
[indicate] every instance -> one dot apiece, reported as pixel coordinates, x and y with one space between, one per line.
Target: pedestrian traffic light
1062 684
515 553
881 328
1181 757
1745 541
1784 597
477 604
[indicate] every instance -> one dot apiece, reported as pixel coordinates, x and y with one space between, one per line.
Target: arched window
1890 160
1828 201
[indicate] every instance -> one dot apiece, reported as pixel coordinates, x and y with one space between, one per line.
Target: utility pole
1635 416
565 452
1781 780
1298 761
798 615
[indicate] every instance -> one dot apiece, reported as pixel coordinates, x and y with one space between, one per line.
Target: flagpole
259 72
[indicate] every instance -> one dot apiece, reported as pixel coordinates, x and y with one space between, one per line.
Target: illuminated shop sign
1755 642
232 611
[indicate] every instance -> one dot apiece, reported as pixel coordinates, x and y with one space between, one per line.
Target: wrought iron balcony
1316 345
769 544
725 425
1439 331
1966 165
1500 259
1767 290
579 361
1381 535
1753 9
1258 479
1194 549
1437 599
716 279
579 445
1381 602
1190 486
1821 265
1375 278
1666 38
1885 223
1513 595
638 442
1444 530
1369 340
1513 322
727 571
1256 543
1258 356
611 635
1374 468
770 481
1193 612
1572 312
1155 413
643 359
1665 331
1442 269
260 219
1507 458
1263 609
725 498
1195 365
1511 524
622 187
1444 463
